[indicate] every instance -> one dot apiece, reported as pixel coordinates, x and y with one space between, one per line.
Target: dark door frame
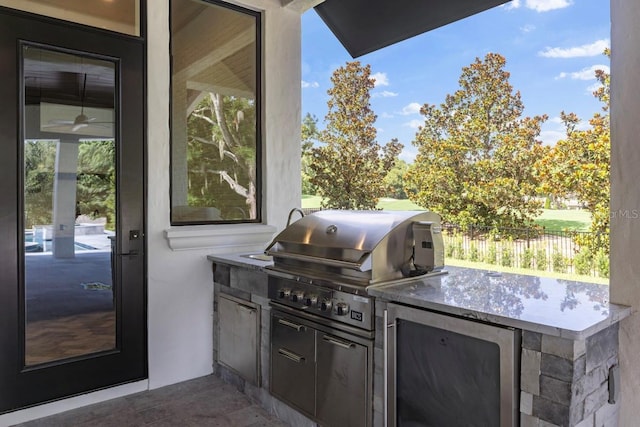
22 386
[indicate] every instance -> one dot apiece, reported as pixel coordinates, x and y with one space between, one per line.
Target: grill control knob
311 300
284 293
297 296
326 304
341 308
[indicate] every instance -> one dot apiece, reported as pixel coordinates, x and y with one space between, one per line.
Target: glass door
69 204
72 292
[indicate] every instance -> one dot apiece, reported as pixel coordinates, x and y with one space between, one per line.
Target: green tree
39 173
579 166
309 135
222 155
476 153
349 166
395 180
96 179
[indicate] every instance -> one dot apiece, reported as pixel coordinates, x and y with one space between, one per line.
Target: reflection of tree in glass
222 156
598 294
39 169
503 296
95 191
97 180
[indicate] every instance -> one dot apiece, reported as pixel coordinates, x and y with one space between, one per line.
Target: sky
552 49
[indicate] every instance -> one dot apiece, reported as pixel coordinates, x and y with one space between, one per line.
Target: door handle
131 253
290 355
339 343
292 325
133 235
246 308
385 366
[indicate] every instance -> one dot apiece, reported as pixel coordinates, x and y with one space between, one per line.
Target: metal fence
530 248
536 248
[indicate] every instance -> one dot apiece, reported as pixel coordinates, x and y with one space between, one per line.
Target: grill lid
368 246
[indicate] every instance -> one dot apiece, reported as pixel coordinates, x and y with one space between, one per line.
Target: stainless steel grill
322 318
360 247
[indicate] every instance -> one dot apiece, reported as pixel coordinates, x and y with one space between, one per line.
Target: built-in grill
322 319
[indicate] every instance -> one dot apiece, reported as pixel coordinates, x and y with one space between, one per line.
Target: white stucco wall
180 287
625 194
180 281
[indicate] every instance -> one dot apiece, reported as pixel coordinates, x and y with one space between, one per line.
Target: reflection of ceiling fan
81 120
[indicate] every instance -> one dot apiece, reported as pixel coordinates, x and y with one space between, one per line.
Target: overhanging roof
363 26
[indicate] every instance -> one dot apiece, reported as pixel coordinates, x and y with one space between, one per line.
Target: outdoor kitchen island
566 334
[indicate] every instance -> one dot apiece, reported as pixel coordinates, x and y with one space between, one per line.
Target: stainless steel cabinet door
293 362
239 334
341 382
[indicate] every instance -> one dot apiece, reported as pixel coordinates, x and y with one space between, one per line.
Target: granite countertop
557 307
564 308
253 261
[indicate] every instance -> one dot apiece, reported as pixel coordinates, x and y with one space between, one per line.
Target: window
122 16
215 119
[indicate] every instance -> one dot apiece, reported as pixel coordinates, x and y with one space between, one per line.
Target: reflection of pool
30 245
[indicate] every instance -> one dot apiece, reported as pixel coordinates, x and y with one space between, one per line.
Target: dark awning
363 26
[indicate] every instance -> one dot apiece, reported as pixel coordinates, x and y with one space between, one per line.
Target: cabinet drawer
239 323
293 363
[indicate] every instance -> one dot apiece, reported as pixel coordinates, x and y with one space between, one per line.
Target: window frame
258 17
139 31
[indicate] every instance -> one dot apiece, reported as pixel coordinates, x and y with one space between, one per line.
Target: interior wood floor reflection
49 340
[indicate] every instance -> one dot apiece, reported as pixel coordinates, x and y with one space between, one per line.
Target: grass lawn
526 271
570 219
552 219
385 204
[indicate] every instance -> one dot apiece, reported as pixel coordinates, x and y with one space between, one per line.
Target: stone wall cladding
565 382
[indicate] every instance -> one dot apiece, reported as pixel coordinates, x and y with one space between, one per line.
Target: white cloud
547 5
593 49
592 88
555 119
584 125
513 5
381 79
409 153
310 84
413 124
527 28
588 73
386 116
550 137
412 108
384 94
540 5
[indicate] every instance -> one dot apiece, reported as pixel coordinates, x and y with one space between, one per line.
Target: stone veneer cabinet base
565 374
567 382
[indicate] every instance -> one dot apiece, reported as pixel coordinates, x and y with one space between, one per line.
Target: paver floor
206 401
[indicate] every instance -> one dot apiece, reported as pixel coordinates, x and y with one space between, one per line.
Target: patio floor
206 401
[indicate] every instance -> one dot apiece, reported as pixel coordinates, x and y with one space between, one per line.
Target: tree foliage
39 172
308 137
349 166
476 153
395 180
95 180
579 165
222 155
